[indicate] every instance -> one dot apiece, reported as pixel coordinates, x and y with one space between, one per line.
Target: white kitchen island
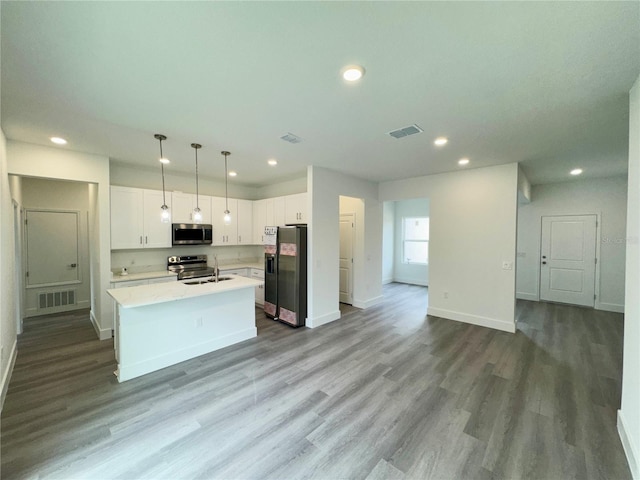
163 324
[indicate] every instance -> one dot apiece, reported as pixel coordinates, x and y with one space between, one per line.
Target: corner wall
473 231
324 187
629 413
8 292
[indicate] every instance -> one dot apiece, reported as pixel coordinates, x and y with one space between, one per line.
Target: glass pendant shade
165 216
197 215
227 217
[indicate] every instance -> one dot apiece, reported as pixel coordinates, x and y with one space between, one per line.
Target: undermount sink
207 280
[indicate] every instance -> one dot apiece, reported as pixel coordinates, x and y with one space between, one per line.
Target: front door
52 248
567 259
347 222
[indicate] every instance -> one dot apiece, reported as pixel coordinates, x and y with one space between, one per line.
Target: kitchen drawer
257 273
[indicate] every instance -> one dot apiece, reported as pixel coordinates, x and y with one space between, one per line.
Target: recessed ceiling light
164 160
352 73
273 162
463 161
233 174
576 171
58 140
440 141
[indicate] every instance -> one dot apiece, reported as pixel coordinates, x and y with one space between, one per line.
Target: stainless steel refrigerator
285 276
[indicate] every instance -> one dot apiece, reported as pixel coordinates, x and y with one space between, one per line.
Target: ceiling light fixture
165 216
440 141
576 171
273 162
463 161
352 73
233 174
227 213
197 214
58 140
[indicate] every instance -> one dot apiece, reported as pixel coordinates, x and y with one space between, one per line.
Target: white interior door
568 259
347 222
52 248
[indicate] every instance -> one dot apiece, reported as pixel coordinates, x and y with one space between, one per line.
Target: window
415 240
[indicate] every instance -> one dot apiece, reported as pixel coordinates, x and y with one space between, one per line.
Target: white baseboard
6 375
102 333
473 319
411 281
323 319
628 446
527 296
610 307
372 302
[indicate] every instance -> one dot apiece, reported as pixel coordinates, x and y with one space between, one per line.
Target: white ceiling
542 83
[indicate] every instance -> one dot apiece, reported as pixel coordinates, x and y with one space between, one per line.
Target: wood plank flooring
386 393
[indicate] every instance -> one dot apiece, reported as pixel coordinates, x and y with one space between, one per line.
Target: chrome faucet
216 269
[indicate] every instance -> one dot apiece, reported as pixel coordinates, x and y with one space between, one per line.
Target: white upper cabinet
135 219
295 208
224 234
245 222
259 220
278 212
183 205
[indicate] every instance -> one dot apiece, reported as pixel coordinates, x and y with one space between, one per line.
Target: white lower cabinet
259 275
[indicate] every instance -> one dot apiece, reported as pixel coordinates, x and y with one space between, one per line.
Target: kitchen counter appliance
191 234
189 266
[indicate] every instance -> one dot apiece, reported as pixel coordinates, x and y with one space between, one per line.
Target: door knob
544 263
73 265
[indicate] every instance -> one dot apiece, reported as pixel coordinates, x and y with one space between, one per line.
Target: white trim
629 448
102 333
473 319
323 320
610 307
372 302
411 281
6 375
527 296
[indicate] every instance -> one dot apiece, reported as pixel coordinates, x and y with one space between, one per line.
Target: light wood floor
383 393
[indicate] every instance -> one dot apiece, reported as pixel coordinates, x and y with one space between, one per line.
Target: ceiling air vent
291 138
406 131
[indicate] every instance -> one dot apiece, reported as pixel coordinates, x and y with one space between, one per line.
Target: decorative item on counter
124 272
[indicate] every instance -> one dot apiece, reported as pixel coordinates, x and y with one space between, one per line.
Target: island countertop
142 295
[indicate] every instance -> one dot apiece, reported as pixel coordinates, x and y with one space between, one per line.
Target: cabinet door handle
239 238
146 239
140 239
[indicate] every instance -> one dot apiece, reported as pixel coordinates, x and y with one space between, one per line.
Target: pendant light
165 216
197 214
227 213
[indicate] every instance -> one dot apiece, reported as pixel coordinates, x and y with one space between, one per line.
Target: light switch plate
506 265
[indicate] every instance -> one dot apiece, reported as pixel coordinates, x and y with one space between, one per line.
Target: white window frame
405 240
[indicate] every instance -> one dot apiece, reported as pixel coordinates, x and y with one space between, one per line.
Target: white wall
288 187
151 178
473 231
388 241
406 273
629 413
57 163
325 187
606 197
46 194
8 291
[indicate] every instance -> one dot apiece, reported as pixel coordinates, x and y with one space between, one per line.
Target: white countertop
258 265
116 278
139 296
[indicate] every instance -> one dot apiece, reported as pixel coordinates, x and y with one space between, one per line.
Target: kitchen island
163 324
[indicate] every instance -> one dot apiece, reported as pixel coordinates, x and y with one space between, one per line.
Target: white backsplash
153 260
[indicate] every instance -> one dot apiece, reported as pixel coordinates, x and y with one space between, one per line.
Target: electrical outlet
445 294
506 265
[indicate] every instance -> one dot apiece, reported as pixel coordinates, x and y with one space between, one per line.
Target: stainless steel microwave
191 234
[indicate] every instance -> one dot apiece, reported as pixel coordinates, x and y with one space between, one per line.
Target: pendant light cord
226 188
197 193
164 200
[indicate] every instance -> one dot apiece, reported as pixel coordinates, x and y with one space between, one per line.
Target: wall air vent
56 299
291 138
406 131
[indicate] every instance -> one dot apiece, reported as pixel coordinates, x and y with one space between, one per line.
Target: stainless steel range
189 266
